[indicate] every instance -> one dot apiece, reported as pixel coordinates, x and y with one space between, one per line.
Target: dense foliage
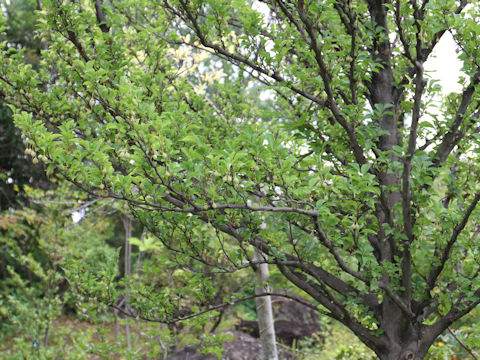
355 176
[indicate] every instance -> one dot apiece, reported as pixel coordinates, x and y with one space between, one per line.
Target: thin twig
462 344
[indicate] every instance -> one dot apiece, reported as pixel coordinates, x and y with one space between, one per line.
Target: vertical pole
264 309
127 224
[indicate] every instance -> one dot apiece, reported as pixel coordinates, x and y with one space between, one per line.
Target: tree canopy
355 174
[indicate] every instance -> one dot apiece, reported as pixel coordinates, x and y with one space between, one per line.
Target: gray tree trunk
264 310
403 354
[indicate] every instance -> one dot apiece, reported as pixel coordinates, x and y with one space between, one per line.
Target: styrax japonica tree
355 174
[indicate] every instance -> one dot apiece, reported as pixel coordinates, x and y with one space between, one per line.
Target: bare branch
462 344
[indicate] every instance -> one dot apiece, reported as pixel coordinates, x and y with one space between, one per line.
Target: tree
364 174
16 169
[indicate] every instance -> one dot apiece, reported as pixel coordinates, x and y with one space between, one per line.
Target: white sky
77 216
444 65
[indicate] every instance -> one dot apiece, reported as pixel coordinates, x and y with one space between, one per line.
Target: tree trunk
405 352
405 339
264 310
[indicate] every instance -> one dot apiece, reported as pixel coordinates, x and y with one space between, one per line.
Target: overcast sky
444 64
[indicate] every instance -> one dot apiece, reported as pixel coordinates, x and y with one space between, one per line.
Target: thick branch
72 36
408 219
337 311
102 21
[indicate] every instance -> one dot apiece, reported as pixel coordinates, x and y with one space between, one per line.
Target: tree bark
264 310
407 341
403 354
